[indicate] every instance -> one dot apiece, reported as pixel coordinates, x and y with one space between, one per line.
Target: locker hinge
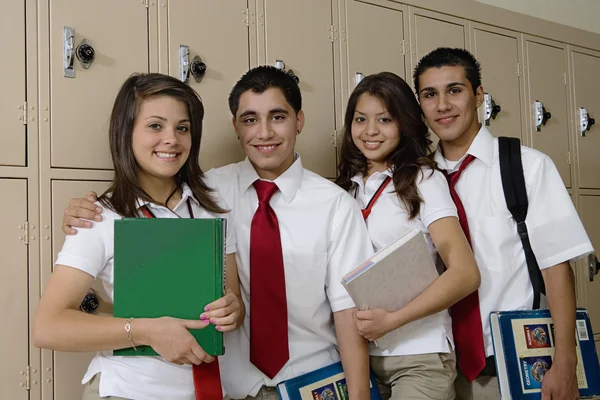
332 32
26 233
404 49
25 116
146 3
565 78
246 19
518 69
28 378
569 157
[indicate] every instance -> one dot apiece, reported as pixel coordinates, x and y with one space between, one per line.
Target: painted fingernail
218 328
98 209
98 218
212 320
202 317
88 224
207 308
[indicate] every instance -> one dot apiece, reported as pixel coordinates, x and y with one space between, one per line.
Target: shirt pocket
495 243
305 274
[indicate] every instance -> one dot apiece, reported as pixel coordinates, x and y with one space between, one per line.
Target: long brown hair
409 158
125 188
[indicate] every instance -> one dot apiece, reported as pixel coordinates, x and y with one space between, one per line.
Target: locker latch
281 65
490 108
358 77
68 52
541 115
184 63
593 266
585 121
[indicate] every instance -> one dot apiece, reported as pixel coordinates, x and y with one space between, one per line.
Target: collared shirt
387 222
323 237
555 230
92 251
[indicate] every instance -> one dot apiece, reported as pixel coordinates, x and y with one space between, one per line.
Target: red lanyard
207 377
367 211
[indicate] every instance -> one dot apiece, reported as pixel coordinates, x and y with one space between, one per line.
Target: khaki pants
92 391
416 377
265 393
482 388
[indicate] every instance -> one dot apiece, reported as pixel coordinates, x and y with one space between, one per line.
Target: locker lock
491 109
198 69
585 121
541 115
359 76
593 266
85 54
281 65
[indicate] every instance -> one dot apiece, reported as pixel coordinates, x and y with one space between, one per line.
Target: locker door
431 30
545 63
69 368
375 47
587 87
298 33
498 53
220 39
14 345
591 220
80 109
12 82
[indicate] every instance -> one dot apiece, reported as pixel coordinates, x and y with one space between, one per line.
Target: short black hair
264 77
450 57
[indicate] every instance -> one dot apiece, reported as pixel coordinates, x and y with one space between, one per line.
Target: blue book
327 383
524 348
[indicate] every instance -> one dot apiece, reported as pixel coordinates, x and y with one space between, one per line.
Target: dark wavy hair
409 158
125 188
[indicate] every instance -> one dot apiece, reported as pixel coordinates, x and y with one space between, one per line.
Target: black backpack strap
515 193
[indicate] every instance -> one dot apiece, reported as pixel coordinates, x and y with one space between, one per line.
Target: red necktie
466 319
269 350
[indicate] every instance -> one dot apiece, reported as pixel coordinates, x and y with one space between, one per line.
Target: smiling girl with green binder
155 132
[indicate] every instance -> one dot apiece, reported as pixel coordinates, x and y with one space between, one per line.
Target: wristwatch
90 302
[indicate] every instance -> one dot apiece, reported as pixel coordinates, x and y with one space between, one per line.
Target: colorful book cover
327 383
524 347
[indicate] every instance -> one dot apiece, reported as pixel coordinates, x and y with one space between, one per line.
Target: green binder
169 267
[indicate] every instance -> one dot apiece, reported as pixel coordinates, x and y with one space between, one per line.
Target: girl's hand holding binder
170 338
373 324
227 313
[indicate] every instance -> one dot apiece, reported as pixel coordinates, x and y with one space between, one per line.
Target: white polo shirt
387 222
92 251
323 236
555 230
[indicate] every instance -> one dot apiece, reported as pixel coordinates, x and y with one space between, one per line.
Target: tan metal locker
14 346
301 34
498 52
217 33
591 290
377 39
546 80
12 81
80 106
69 368
587 105
431 30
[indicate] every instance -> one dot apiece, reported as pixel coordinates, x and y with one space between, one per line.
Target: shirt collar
481 148
186 193
288 182
359 179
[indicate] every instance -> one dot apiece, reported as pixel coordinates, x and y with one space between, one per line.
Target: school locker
590 204
13 110
498 52
375 47
301 35
547 102
68 368
586 107
208 46
14 346
94 48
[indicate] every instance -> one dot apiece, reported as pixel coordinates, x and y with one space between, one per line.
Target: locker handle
541 115
280 64
490 108
585 121
68 52
358 76
184 63
593 266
